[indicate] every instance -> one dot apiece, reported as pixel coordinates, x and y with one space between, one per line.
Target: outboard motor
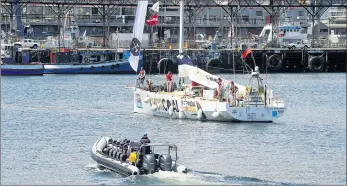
149 163
165 162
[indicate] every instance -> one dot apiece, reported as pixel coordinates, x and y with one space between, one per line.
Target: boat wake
103 173
191 178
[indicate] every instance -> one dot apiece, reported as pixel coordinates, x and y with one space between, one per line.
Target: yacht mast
181 41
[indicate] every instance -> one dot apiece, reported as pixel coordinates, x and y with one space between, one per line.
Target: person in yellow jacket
132 157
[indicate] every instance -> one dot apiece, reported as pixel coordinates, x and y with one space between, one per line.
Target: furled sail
135 45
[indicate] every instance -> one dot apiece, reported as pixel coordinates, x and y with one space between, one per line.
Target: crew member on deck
149 85
142 75
168 81
220 89
232 92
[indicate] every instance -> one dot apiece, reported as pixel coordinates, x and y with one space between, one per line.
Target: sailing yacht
252 103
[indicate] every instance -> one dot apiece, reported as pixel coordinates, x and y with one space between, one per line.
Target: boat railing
171 147
276 101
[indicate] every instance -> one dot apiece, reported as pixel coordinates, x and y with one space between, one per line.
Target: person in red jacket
168 81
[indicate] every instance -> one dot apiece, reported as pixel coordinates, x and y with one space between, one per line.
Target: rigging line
265 71
229 69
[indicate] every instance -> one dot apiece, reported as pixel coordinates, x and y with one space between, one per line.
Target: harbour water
49 124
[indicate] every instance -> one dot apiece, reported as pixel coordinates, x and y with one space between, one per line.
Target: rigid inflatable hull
124 169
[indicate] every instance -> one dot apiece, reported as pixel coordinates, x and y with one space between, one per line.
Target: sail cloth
184 60
152 16
139 24
186 69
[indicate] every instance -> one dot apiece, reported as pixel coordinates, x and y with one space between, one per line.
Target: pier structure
315 58
223 60
105 22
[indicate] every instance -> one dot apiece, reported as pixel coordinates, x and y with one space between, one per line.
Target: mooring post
59 22
103 26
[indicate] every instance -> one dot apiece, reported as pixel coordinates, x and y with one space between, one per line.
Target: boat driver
143 140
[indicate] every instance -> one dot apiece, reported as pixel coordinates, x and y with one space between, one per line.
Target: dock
223 60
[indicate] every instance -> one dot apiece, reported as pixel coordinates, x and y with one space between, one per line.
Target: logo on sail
135 47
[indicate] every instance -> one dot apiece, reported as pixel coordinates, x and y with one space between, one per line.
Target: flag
152 16
245 53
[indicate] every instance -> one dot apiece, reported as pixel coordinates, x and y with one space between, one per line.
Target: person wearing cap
143 140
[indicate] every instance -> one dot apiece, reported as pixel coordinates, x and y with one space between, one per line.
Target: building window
259 13
323 30
129 11
172 9
301 13
95 11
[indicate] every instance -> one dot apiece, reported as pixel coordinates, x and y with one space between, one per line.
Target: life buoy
316 64
117 65
81 68
92 67
86 59
112 66
102 67
180 114
146 100
170 110
215 114
199 114
154 107
275 63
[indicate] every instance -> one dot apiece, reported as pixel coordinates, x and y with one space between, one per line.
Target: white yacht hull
175 105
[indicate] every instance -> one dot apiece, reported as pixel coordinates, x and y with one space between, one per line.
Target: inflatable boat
135 158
